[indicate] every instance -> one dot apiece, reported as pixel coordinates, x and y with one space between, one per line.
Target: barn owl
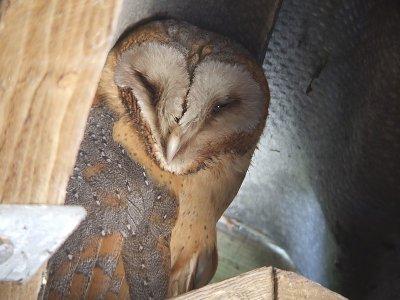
175 121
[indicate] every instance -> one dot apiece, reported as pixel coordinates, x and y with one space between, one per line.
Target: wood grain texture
51 56
264 283
256 284
291 286
22 291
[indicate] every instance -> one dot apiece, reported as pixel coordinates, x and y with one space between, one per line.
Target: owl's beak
173 144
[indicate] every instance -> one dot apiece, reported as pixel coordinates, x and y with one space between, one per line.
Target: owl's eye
220 106
151 88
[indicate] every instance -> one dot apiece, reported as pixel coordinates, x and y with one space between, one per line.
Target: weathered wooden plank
264 283
51 56
291 286
256 284
21 291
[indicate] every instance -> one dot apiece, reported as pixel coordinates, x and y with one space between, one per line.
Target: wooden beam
51 57
264 283
21 291
291 286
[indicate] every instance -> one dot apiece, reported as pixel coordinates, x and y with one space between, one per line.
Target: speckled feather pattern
124 206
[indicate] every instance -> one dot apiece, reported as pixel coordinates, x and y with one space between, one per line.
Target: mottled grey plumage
120 199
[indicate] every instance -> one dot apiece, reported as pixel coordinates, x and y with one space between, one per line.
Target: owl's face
199 95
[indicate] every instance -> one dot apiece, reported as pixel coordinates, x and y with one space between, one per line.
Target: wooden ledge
264 283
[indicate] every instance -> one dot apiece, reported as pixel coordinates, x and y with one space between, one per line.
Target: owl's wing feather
124 241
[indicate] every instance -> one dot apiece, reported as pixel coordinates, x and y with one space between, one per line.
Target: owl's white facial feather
187 115
158 78
230 87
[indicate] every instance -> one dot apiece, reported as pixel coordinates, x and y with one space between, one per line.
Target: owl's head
196 96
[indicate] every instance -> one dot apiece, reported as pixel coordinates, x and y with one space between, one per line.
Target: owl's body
177 116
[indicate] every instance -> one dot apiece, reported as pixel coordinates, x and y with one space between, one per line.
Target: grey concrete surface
325 181
248 22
